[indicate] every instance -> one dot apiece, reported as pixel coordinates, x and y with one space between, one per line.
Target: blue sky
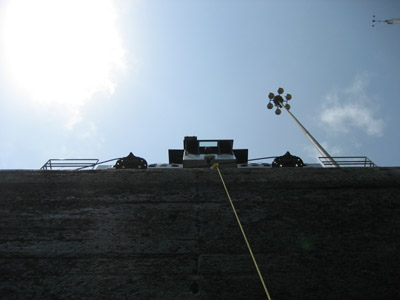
157 71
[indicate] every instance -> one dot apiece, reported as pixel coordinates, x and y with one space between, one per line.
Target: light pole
280 102
391 21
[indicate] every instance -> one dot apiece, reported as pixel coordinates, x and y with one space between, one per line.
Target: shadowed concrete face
171 234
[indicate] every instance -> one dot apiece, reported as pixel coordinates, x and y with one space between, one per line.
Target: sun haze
62 52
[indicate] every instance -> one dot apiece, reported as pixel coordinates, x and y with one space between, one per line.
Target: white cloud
90 130
359 85
343 118
352 108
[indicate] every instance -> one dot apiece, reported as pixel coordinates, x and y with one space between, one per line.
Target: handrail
69 163
348 161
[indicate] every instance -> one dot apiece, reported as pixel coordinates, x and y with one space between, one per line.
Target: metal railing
69 164
347 161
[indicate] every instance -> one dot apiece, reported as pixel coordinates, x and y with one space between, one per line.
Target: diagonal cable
216 166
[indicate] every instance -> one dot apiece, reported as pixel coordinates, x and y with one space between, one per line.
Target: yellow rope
216 166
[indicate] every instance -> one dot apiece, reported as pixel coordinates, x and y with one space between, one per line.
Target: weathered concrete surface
171 234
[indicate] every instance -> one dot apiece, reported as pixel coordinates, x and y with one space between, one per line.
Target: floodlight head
278 100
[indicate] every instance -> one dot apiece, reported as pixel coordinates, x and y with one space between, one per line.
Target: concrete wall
171 234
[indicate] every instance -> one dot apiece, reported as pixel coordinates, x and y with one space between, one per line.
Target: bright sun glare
62 51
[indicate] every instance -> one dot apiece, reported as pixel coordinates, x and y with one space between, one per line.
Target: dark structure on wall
203 153
170 234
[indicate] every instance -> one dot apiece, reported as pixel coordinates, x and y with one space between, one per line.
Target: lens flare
63 51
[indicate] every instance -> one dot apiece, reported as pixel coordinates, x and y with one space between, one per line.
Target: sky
100 79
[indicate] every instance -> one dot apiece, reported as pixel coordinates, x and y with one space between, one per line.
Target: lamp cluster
278 101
